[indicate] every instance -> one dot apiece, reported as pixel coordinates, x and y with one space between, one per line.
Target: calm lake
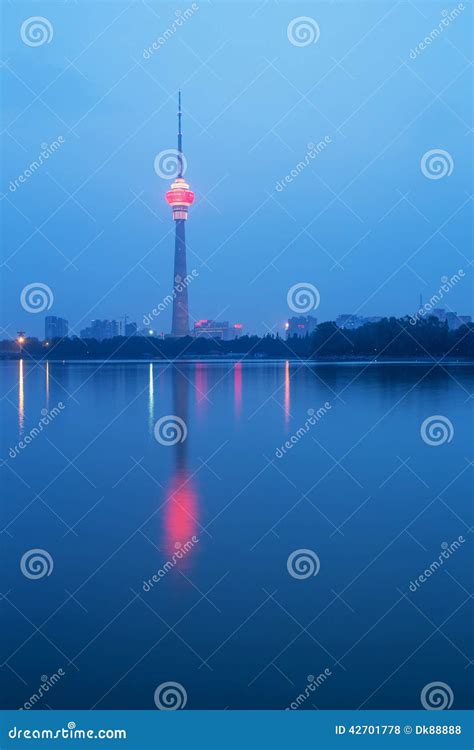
166 555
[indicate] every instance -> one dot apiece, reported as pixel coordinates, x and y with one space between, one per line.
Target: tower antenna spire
180 137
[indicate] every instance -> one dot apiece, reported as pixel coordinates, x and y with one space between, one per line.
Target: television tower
180 197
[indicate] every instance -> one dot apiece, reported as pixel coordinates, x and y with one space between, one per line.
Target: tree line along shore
391 338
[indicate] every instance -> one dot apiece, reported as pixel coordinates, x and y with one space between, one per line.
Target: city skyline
285 170
299 325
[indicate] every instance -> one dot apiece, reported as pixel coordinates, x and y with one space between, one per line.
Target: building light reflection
238 388
46 374
151 399
287 392
21 395
201 381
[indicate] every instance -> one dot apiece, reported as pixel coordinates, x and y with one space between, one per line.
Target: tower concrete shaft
180 325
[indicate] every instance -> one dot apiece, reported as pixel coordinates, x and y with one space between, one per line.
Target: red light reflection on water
238 387
180 513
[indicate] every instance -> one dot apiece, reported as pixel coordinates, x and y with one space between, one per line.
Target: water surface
112 506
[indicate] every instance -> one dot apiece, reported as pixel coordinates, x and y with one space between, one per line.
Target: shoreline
251 360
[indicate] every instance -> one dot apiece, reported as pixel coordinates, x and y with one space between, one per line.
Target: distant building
55 328
101 329
438 312
351 322
300 325
236 331
453 320
213 329
131 329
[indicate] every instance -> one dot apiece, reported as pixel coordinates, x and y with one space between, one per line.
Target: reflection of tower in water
181 508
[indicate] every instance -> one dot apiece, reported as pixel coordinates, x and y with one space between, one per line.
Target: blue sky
361 222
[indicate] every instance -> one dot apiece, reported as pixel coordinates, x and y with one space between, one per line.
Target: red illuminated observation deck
180 197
